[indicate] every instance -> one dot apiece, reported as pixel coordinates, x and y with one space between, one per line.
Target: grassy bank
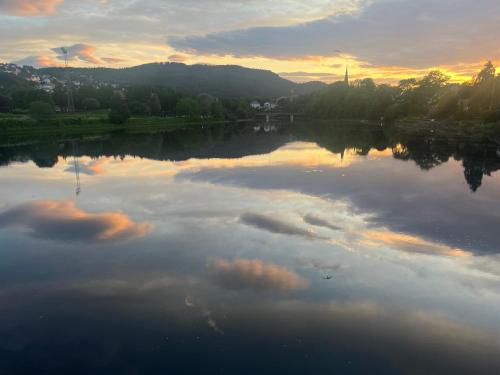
88 124
471 130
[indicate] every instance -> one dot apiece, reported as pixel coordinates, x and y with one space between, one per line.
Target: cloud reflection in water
64 221
254 274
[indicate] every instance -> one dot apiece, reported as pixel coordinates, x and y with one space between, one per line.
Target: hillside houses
267 106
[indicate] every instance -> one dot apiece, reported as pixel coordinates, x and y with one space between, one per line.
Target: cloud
92 168
29 7
81 51
390 33
37 61
63 221
316 221
409 243
255 274
177 58
385 190
273 225
112 60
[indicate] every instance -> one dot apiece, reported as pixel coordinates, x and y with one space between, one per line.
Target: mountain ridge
220 80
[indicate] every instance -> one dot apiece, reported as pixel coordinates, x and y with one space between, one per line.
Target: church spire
346 78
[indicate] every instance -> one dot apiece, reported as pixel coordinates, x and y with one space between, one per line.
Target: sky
315 40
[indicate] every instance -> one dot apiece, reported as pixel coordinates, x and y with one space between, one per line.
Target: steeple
346 78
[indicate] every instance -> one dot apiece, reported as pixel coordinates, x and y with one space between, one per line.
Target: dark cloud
63 221
388 33
274 225
316 221
254 274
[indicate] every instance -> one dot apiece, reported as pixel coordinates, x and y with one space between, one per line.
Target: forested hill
221 80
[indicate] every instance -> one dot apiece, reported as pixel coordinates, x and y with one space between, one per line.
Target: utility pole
70 106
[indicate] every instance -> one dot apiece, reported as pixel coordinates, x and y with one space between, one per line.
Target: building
268 106
346 77
255 105
47 85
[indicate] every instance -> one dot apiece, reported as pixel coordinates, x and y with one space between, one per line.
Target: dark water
238 249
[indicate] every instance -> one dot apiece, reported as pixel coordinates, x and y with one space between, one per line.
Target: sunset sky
301 40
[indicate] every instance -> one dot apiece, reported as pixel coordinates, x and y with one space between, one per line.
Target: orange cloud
81 51
177 58
30 7
400 241
255 274
62 220
38 61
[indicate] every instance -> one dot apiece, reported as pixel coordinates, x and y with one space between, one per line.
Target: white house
255 105
269 106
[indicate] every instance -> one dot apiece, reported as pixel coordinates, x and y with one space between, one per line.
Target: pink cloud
29 7
255 274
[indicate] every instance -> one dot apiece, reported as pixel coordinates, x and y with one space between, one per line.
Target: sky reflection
218 258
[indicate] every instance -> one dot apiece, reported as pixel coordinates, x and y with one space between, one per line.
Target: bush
42 111
119 112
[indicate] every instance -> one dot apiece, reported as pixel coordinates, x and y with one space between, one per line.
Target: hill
219 80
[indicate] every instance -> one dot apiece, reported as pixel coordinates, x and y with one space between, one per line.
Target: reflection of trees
426 149
426 152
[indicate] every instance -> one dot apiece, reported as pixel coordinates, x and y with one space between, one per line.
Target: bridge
278 116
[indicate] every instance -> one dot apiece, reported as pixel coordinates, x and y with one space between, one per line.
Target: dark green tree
119 112
188 107
155 104
6 103
138 108
90 104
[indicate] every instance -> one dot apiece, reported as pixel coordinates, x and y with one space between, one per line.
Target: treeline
122 103
433 96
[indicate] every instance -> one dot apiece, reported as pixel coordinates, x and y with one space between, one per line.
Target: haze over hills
219 80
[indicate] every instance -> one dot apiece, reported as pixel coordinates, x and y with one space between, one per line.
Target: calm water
238 249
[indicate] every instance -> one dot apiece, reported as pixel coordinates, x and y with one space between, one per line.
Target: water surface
250 249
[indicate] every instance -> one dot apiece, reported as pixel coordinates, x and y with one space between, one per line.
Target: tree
42 111
138 108
119 112
90 104
6 103
155 105
24 97
187 107
486 74
217 110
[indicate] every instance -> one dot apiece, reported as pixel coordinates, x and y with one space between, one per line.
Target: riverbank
471 130
89 124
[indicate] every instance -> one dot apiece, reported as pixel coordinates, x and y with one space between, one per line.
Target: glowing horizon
387 40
